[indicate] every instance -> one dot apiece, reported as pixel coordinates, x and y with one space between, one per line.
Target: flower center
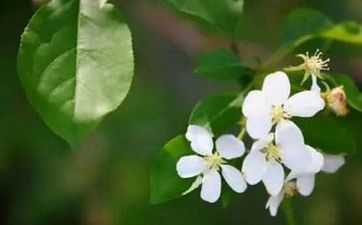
278 113
314 64
290 189
214 161
272 153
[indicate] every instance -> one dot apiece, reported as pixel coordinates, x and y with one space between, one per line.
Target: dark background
106 180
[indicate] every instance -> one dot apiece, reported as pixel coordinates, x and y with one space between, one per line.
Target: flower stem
288 212
242 128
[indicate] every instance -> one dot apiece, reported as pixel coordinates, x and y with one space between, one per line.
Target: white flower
207 164
264 162
305 180
272 105
304 183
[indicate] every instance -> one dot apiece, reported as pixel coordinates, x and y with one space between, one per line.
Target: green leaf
165 182
219 64
329 133
354 95
304 22
217 113
221 16
76 64
347 32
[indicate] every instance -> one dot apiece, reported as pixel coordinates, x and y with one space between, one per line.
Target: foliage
76 64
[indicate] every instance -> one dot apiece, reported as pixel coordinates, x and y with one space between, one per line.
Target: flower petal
255 104
254 167
288 134
317 159
305 184
274 178
211 187
273 203
304 104
190 166
296 159
315 86
234 178
201 139
332 163
289 139
259 127
276 87
229 146
262 143
306 162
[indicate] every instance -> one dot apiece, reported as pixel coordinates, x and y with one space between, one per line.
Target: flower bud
337 101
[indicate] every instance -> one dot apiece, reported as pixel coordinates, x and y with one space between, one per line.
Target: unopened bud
337 101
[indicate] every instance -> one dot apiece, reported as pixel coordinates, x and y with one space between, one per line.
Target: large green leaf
331 134
76 64
219 64
221 16
307 29
304 22
217 113
165 182
354 95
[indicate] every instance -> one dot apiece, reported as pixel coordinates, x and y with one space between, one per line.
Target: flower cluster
278 157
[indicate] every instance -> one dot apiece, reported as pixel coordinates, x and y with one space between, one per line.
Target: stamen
278 113
314 64
290 189
214 161
272 153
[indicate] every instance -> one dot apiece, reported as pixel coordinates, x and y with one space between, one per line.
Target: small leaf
304 22
217 113
165 182
76 64
219 64
328 133
354 95
221 16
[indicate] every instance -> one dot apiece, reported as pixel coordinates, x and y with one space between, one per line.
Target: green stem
288 212
280 54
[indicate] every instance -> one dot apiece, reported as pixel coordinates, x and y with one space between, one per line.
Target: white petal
332 163
274 178
254 167
306 162
190 166
315 86
288 135
296 159
304 104
273 203
211 187
262 143
305 184
259 127
289 139
229 146
201 139
255 104
317 159
276 87
233 178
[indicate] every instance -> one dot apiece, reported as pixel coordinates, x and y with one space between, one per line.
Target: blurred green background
106 180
